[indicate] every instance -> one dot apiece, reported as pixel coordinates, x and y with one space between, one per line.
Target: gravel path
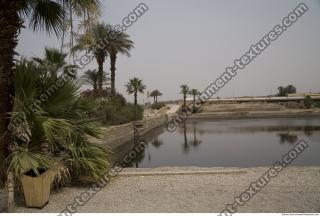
193 189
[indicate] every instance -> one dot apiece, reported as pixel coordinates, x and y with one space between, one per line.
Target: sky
193 41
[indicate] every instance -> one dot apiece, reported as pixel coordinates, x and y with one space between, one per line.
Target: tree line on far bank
284 91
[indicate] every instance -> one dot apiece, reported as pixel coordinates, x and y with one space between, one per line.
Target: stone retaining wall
116 135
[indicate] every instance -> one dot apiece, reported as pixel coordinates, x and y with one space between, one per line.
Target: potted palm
51 142
36 173
37 187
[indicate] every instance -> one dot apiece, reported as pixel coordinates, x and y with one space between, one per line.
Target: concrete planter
37 189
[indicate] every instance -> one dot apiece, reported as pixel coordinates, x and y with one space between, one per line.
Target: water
232 143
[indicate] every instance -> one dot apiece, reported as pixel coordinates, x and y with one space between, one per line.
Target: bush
114 112
308 102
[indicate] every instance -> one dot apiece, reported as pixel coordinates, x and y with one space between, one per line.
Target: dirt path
193 189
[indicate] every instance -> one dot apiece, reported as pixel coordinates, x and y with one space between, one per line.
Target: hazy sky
193 41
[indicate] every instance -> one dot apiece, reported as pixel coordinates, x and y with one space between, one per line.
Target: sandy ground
170 109
194 189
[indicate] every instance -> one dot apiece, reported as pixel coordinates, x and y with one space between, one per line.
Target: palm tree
121 44
91 77
54 62
194 93
155 94
184 91
134 86
96 41
45 15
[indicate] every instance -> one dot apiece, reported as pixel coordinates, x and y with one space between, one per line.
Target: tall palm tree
194 93
135 86
119 45
155 94
184 91
45 15
96 41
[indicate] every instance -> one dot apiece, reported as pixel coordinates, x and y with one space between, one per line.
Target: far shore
290 113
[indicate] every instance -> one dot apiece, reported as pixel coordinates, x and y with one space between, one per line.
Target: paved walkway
193 189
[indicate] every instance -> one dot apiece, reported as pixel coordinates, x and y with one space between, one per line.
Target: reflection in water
287 137
156 142
186 146
308 130
195 142
229 143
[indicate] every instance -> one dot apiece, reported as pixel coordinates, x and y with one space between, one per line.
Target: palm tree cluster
155 94
284 91
185 90
55 133
47 15
97 40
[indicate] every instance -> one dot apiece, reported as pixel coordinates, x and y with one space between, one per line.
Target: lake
231 143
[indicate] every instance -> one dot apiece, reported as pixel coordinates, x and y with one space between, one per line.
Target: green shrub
114 112
317 104
308 102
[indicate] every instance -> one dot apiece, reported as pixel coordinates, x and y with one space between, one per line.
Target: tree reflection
287 137
156 142
308 130
186 147
195 142
192 143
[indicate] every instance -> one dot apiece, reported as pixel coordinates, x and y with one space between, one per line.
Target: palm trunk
184 100
135 98
194 103
95 90
10 24
113 59
135 106
100 60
